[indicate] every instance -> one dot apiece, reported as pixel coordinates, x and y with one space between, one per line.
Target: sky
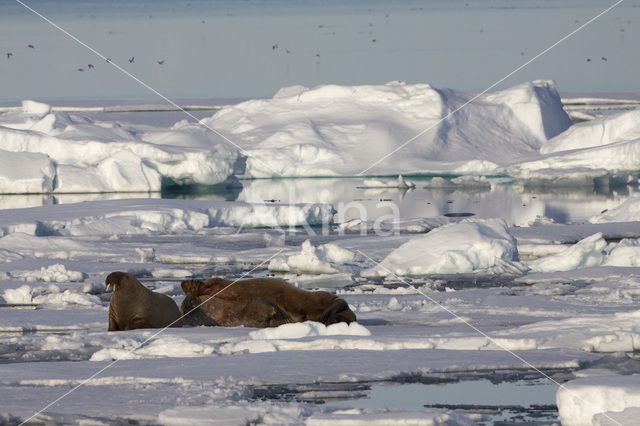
244 49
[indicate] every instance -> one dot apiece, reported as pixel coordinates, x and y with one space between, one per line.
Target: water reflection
521 401
517 203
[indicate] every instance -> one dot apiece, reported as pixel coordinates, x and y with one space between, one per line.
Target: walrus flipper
113 325
338 311
262 313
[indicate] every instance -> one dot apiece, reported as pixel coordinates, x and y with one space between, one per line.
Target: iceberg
597 147
380 130
66 153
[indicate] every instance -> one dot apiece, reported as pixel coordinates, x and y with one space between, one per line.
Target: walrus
135 306
258 302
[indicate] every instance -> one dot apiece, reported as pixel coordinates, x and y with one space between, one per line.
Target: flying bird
80 69
274 47
90 66
9 55
161 62
132 60
108 60
604 59
31 46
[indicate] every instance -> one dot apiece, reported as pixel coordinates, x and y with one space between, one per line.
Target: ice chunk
309 329
313 260
143 216
94 156
629 211
585 253
623 126
611 143
36 108
625 253
376 183
472 245
461 182
581 399
52 273
26 172
343 130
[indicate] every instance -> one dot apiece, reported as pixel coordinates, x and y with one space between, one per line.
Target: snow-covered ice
580 400
629 211
61 152
561 296
327 130
313 260
472 245
335 130
401 183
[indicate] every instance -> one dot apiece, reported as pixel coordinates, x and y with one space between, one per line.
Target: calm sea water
224 48
519 204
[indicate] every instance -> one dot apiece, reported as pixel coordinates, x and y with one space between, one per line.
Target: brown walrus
258 302
135 306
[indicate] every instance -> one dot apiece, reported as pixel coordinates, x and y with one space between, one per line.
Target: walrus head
191 287
119 280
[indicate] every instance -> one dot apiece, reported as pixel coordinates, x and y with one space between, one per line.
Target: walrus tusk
109 286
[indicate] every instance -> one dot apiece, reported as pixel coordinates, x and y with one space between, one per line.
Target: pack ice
43 151
335 130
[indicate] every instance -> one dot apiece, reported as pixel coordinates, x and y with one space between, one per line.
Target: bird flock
89 66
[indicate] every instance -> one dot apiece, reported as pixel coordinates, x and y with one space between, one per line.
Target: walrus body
135 306
258 302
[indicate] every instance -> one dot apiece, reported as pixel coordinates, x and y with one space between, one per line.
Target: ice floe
608 144
629 211
308 329
60 152
51 296
135 216
523 131
401 183
580 400
585 253
472 245
461 182
335 130
322 259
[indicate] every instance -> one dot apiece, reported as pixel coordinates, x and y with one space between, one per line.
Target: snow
585 253
66 153
629 211
580 400
401 183
562 297
625 253
35 108
313 260
139 216
472 245
309 328
333 130
623 126
24 173
479 182
522 131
